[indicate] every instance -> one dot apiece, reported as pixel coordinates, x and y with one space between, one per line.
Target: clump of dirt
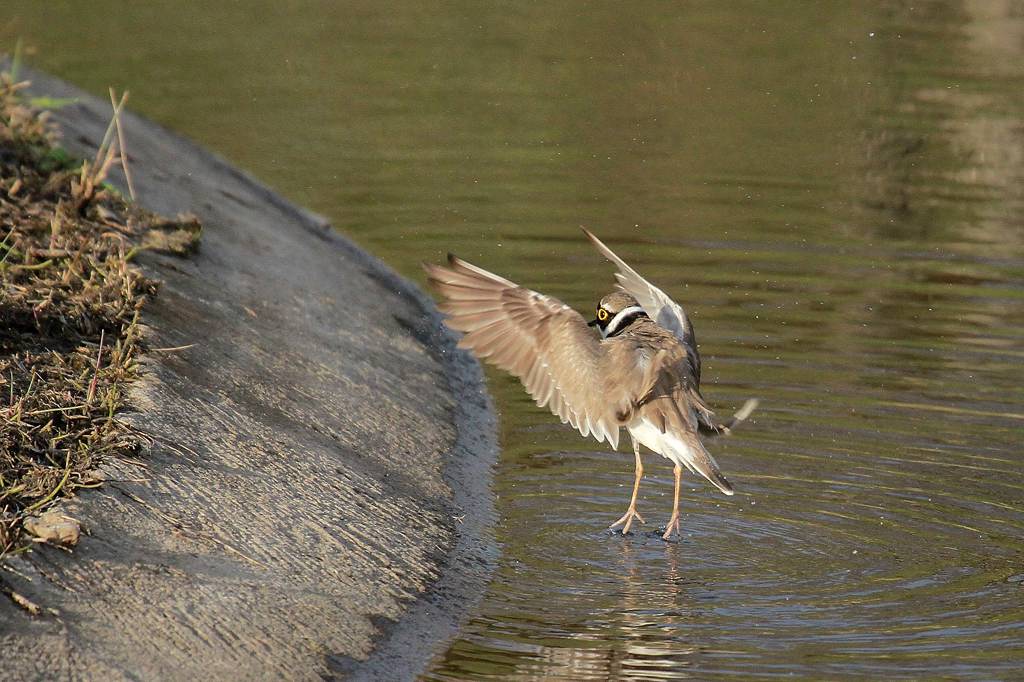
70 299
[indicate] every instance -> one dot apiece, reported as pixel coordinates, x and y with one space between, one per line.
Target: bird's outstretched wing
655 302
670 315
540 340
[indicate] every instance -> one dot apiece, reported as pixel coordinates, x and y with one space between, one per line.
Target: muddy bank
315 500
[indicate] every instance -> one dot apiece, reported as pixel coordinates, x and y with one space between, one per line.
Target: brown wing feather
540 340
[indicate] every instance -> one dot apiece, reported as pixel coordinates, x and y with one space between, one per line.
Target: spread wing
655 302
670 315
540 340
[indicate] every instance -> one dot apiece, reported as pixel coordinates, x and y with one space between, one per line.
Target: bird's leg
673 522
632 513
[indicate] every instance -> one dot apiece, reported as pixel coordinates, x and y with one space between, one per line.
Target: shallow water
834 192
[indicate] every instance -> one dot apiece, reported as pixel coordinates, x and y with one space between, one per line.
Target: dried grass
70 300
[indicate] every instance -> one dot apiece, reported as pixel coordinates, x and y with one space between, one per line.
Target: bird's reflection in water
642 643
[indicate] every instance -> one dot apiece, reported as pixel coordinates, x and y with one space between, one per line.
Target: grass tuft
70 301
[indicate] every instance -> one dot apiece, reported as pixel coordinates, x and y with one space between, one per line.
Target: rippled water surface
836 193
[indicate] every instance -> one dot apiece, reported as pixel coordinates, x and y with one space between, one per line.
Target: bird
640 371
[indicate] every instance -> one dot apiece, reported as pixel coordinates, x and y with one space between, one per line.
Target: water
835 192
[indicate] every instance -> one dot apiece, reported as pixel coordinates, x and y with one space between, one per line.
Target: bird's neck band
622 320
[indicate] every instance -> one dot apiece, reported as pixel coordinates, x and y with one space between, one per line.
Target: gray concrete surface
316 499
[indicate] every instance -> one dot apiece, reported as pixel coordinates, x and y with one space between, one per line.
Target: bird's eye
602 314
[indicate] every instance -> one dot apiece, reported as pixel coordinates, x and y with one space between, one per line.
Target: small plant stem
96 374
122 150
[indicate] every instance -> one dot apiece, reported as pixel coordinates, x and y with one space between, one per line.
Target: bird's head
615 312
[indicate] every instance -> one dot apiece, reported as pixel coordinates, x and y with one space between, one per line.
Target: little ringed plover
641 373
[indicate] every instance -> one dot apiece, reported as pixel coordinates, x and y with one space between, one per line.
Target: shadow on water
835 192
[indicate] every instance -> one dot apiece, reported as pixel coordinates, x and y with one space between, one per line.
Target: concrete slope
316 498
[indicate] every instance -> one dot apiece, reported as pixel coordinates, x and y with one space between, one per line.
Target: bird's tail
699 460
687 449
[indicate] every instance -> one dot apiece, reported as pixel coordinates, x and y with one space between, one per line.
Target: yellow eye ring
602 314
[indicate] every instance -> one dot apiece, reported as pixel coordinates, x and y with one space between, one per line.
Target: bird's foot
673 527
627 519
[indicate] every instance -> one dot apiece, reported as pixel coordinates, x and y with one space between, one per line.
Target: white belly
665 444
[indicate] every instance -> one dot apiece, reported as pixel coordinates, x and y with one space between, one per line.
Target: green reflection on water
833 190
